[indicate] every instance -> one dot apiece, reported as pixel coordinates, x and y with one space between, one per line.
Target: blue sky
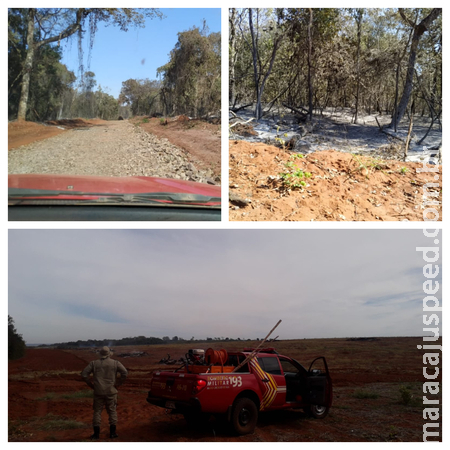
91 284
118 56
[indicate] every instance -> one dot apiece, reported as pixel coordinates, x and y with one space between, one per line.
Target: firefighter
105 383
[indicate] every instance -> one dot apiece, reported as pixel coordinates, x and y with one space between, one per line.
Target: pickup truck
238 385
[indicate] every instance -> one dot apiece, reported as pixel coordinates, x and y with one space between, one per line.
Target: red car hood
109 185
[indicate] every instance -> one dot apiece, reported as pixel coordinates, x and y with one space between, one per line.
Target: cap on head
105 352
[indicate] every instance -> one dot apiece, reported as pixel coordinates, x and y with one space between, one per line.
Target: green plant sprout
294 178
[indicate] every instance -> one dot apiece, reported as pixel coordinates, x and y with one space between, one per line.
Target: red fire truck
238 385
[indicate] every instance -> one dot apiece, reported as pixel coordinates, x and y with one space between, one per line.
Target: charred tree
418 31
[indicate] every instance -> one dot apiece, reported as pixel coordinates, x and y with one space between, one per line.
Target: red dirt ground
368 378
23 133
342 186
199 138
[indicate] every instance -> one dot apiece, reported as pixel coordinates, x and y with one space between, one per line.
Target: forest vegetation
372 61
138 340
41 88
16 344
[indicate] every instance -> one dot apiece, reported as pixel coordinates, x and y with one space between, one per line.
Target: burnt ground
377 396
269 183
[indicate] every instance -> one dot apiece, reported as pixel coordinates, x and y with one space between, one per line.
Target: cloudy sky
93 284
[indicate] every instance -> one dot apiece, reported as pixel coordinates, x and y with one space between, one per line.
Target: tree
232 62
142 96
191 80
45 26
340 58
16 344
261 71
418 30
358 14
107 107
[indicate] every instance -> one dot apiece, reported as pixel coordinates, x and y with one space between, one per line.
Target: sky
67 285
117 56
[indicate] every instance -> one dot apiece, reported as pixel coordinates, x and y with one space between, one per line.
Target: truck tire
244 416
317 411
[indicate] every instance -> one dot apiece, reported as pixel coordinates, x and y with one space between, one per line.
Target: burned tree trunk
418 31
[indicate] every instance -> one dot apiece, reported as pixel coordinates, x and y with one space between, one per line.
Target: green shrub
361 394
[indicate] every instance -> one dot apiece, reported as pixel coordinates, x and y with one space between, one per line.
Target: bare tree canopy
386 61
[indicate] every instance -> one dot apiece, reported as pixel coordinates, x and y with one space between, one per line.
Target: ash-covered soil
333 128
377 395
102 148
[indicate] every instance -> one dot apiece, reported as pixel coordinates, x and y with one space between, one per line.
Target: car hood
30 188
109 185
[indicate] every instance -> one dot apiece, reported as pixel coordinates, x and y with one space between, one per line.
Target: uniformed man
105 383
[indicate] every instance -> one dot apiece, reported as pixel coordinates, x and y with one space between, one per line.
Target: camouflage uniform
104 372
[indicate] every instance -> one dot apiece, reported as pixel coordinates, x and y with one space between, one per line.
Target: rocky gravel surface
110 149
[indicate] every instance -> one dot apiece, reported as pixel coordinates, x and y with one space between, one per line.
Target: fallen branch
408 137
297 111
385 132
240 107
241 122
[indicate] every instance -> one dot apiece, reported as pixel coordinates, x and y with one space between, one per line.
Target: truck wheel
317 411
244 416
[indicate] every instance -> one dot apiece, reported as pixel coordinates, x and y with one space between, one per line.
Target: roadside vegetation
41 88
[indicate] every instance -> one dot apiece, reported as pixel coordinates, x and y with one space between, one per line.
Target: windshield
111 119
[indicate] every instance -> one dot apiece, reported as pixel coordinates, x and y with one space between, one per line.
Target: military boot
96 434
112 432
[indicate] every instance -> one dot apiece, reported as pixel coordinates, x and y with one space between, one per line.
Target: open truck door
319 388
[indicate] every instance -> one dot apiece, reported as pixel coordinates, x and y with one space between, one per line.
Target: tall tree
358 14
232 27
262 70
310 50
48 25
191 78
418 30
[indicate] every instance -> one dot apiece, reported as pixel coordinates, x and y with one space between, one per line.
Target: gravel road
112 149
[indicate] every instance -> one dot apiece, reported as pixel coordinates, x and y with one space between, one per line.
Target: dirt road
377 396
104 148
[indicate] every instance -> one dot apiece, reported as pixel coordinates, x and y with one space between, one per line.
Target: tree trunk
28 66
259 87
258 109
32 46
310 84
232 21
359 15
419 30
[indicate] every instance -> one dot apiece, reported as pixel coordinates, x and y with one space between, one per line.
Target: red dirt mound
270 183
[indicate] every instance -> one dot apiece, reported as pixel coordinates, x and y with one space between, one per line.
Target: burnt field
377 395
